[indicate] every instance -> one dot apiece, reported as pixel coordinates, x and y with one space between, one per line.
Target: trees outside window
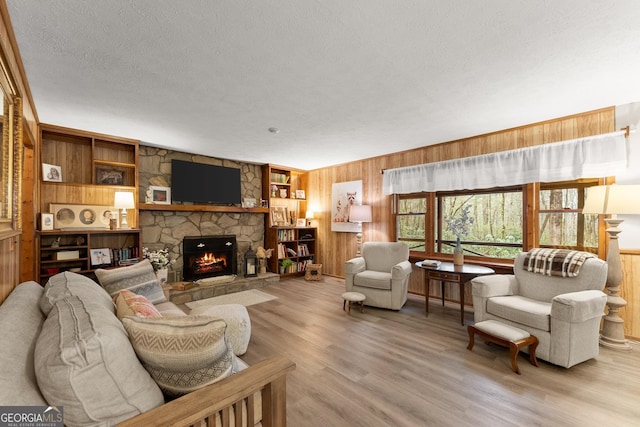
495 223
411 221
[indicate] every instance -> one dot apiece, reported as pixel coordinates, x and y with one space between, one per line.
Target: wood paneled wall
334 248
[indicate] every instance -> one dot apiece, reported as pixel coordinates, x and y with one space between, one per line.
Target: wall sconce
124 200
605 200
309 217
250 263
360 214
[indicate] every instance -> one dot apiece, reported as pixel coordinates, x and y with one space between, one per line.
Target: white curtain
590 157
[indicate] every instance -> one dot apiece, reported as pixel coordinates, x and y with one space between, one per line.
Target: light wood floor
387 368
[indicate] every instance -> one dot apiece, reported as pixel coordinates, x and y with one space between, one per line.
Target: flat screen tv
202 183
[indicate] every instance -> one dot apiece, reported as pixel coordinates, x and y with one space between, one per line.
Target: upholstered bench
506 336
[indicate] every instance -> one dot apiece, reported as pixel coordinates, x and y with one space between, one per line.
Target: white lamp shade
309 215
124 200
360 213
612 199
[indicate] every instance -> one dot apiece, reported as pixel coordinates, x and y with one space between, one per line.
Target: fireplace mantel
200 208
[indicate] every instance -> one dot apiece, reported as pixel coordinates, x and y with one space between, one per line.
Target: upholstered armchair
381 274
562 312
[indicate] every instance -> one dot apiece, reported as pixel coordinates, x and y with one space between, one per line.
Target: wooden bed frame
200 407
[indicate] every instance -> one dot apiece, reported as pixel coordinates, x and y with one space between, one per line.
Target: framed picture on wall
343 195
51 173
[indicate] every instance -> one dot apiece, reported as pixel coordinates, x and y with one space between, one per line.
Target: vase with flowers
160 261
459 226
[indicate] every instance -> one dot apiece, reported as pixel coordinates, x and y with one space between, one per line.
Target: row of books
285 252
115 256
286 235
279 177
299 266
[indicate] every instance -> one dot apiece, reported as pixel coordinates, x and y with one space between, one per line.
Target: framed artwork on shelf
51 173
160 195
109 176
100 256
301 222
300 194
72 217
279 216
46 221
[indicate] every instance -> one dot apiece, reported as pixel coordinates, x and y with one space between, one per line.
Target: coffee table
448 272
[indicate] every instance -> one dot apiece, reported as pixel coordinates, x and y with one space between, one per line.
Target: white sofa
63 345
381 274
562 312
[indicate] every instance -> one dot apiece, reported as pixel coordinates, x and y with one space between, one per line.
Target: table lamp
124 200
309 217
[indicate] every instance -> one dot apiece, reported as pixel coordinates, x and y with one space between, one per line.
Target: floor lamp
612 200
360 214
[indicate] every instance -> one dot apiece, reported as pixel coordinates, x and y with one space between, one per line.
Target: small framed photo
109 176
46 221
248 203
301 222
51 173
100 256
160 195
300 194
279 216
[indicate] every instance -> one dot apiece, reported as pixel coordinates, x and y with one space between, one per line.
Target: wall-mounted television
202 183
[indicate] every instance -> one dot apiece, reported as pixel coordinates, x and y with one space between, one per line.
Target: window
561 225
498 223
489 223
411 220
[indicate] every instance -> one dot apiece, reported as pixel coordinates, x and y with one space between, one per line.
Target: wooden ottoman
352 297
506 336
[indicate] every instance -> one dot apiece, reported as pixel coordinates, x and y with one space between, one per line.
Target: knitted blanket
555 262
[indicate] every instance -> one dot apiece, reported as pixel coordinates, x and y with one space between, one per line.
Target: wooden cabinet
286 188
92 168
292 243
72 251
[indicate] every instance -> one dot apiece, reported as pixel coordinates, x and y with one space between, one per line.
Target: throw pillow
66 284
182 354
138 278
130 304
84 362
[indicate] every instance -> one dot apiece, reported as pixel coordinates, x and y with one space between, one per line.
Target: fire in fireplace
209 256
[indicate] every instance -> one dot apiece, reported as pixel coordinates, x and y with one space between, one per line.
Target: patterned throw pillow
138 278
182 354
130 304
84 362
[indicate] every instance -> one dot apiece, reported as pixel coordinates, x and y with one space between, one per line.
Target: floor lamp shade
612 200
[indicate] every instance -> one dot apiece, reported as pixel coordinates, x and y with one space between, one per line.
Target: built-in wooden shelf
200 208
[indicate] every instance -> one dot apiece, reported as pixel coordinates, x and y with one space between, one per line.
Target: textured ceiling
341 79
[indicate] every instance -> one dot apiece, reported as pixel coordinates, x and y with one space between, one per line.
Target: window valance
590 157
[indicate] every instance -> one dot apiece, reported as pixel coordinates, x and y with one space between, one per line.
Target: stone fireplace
209 256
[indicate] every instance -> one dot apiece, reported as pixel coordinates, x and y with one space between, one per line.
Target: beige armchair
562 312
381 274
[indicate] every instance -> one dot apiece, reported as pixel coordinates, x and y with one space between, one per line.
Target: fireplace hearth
209 256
